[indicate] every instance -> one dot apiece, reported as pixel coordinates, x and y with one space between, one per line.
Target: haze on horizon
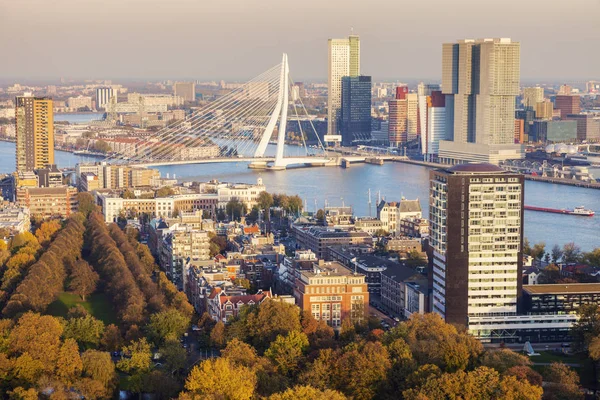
238 39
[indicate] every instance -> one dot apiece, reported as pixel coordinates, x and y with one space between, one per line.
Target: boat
581 211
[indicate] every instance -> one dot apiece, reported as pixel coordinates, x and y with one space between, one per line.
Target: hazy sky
238 39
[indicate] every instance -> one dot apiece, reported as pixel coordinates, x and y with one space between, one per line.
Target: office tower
103 96
436 124
344 60
519 131
588 126
480 79
567 104
397 117
185 90
476 233
412 116
423 93
532 96
34 132
544 109
356 109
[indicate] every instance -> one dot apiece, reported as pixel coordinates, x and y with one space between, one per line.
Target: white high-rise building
480 79
532 96
103 96
344 60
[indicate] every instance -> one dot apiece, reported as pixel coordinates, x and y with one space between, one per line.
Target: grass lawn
96 304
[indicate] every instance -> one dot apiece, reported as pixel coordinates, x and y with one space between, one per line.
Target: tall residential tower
344 60
34 132
480 79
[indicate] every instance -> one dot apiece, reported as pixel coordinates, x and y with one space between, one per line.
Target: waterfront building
397 118
34 132
588 126
355 115
48 201
185 90
567 104
476 237
519 131
424 92
553 131
75 103
544 109
480 79
436 125
532 96
344 60
116 176
332 293
391 214
103 96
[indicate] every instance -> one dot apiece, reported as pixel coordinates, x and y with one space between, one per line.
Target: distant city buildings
185 90
103 96
567 104
34 132
344 60
532 96
480 79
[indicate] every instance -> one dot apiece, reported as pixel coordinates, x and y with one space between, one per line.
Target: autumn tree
86 330
83 279
264 201
111 338
220 379
217 335
167 325
137 361
587 327
86 203
286 352
272 318
99 367
46 231
571 253
307 393
561 383
504 359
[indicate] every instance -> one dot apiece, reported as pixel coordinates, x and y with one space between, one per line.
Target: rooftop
570 288
475 168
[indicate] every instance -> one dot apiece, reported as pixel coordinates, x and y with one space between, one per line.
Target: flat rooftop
571 288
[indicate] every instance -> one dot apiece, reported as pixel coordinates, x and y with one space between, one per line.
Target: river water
350 186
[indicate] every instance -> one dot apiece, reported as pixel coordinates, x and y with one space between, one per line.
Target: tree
295 204
68 362
101 146
264 201
46 231
173 354
504 359
85 203
562 383
38 336
287 351
83 279
550 274
169 324
593 257
240 353
24 239
307 393
538 250
525 374
415 258
320 216
137 357
571 253
165 191
526 247
86 330
379 233
98 366
111 339
217 335
235 209
243 282
556 253
272 318
128 194
220 379
587 327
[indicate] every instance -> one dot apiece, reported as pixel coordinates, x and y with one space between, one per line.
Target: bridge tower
281 110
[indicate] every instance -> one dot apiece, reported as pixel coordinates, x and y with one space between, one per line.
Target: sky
239 39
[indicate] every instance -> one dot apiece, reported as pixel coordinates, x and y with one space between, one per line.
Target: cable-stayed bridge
238 126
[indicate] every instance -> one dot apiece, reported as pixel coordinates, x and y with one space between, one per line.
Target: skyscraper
567 104
344 60
476 232
103 96
532 96
424 91
397 117
355 115
436 124
480 79
185 90
34 132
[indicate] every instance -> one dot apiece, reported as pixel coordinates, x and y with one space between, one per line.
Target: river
394 180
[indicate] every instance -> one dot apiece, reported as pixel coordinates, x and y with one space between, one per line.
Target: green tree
86 330
320 216
264 201
85 203
169 324
137 357
165 191
587 327
98 365
286 352
220 379
173 354
272 318
295 204
235 209
538 250
128 194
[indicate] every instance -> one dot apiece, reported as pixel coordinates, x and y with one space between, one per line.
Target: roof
410 205
251 229
571 288
475 168
400 273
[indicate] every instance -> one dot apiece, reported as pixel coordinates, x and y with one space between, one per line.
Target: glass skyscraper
355 119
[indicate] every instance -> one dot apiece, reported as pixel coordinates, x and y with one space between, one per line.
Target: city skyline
179 28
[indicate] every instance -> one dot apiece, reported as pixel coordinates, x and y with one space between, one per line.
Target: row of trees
45 279
273 351
569 253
